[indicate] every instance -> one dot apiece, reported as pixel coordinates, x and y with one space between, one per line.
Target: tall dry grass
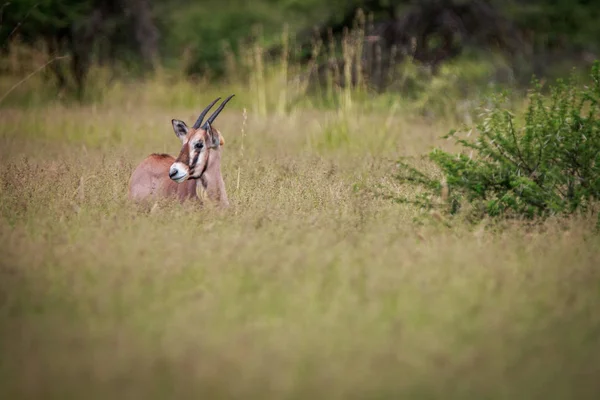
308 286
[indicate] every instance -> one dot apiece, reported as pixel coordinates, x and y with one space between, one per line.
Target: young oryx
199 161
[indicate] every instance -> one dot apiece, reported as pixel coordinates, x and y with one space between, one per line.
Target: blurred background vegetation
428 54
336 273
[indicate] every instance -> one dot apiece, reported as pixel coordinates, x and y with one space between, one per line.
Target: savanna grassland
309 285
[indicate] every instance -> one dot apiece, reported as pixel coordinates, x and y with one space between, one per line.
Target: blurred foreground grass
308 286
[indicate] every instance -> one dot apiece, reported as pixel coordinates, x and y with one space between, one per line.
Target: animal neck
212 181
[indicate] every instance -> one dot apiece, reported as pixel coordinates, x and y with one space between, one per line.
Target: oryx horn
203 113
214 115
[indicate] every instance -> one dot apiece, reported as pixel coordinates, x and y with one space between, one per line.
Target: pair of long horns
214 115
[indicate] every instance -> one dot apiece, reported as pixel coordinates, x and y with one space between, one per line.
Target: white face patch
200 164
198 155
178 172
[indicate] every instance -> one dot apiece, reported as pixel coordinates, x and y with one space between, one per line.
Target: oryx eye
199 145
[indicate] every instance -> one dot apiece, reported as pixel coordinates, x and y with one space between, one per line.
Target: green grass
308 286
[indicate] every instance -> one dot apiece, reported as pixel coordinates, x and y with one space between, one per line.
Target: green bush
546 162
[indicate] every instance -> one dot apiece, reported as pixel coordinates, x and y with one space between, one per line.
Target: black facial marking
201 175
194 162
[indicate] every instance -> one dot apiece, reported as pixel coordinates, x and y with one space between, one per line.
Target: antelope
198 163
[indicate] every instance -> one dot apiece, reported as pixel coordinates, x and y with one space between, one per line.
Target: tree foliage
106 30
546 163
193 35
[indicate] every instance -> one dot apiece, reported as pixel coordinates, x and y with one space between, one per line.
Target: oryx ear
180 128
213 134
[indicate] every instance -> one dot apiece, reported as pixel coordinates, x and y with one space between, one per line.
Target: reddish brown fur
184 154
151 179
